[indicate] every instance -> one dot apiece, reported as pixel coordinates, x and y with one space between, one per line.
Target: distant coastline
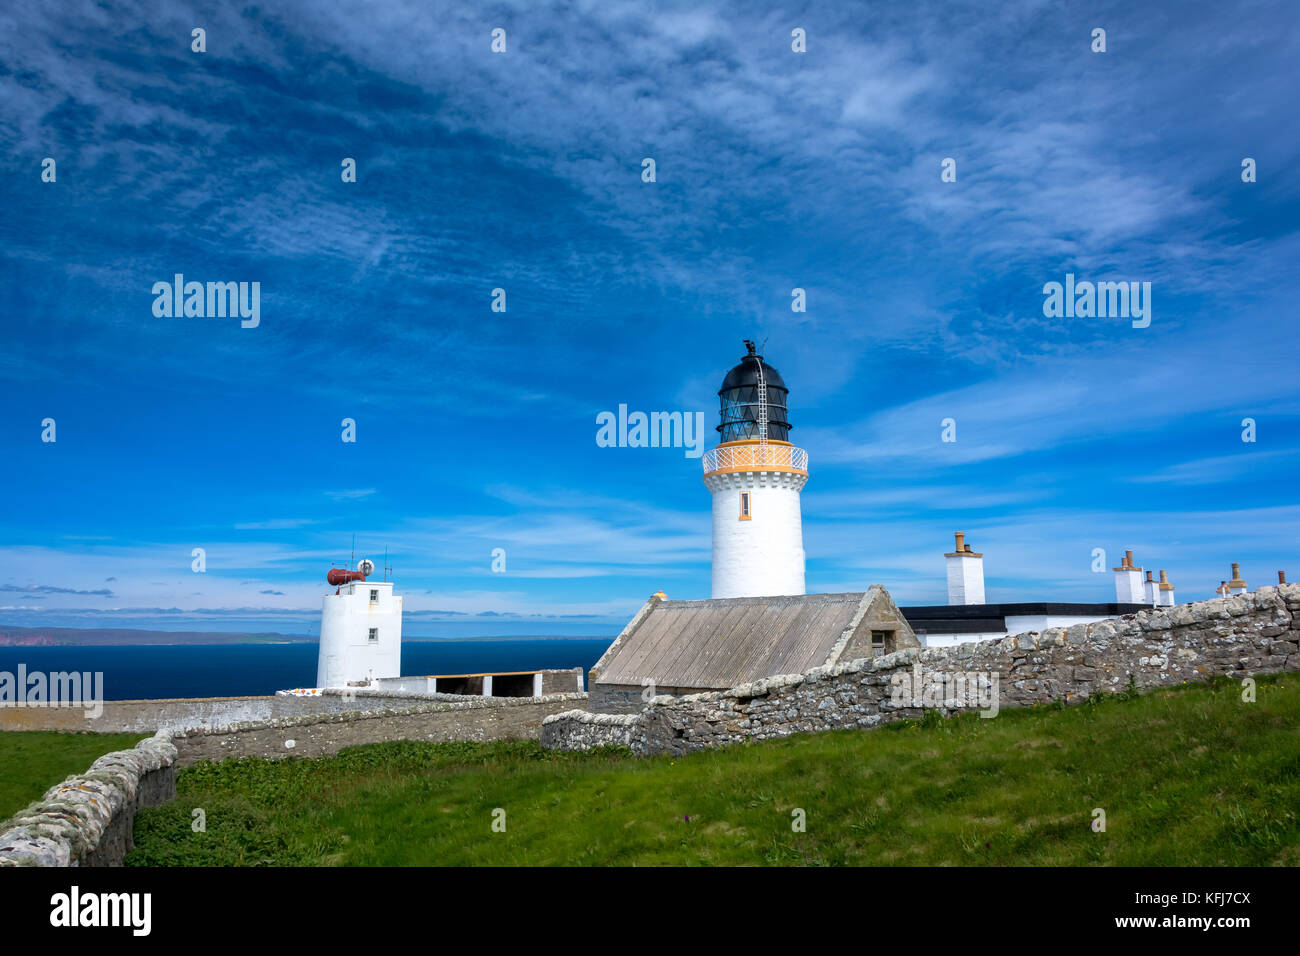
117 636
12 636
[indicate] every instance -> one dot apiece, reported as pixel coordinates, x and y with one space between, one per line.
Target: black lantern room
739 395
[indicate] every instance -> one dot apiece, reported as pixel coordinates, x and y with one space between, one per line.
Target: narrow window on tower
374 635
374 596
744 506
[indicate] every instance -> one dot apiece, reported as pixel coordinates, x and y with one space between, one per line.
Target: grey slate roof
724 642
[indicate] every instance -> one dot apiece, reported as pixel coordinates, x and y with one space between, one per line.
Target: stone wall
1244 635
178 714
583 730
626 698
148 716
314 735
88 819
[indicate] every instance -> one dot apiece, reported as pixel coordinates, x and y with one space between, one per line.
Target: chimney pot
1128 559
1281 577
961 541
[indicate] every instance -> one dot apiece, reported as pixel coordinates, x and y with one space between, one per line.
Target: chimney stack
1236 585
1149 589
1281 577
1129 586
965 574
1164 592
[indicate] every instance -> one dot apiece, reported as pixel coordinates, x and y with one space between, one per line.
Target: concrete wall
550 681
1239 636
88 819
314 735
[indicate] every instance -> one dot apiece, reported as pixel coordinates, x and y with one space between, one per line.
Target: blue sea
240 670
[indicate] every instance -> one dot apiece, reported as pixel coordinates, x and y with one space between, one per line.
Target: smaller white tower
965 574
1164 592
360 629
1236 585
1129 587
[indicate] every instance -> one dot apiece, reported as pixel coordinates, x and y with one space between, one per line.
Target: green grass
1187 776
33 761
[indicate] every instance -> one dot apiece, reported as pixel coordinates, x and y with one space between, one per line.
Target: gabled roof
728 641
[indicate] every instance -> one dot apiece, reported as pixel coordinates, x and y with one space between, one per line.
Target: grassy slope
33 761
1187 776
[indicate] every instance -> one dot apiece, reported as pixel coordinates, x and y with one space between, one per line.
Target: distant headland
112 636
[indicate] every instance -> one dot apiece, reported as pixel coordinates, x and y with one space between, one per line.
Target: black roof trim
982 625
990 612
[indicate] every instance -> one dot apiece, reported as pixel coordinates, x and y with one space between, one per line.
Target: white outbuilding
360 629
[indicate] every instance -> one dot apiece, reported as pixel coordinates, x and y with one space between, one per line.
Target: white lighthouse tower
756 476
360 629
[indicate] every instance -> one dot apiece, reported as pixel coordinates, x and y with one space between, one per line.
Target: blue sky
775 170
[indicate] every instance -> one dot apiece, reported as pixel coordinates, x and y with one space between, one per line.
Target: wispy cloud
776 170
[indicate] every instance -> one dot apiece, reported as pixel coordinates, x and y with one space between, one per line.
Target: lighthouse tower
755 476
360 629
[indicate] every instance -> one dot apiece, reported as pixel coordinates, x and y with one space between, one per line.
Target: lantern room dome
740 407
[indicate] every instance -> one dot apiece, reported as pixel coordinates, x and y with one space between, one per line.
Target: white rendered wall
346 653
965 580
762 556
950 640
1130 588
1019 624
1016 624
1149 591
1164 598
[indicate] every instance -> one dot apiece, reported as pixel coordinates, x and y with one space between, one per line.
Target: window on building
878 643
744 506
374 595
374 635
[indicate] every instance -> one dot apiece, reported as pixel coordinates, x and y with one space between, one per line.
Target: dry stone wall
1243 635
315 735
88 819
148 716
